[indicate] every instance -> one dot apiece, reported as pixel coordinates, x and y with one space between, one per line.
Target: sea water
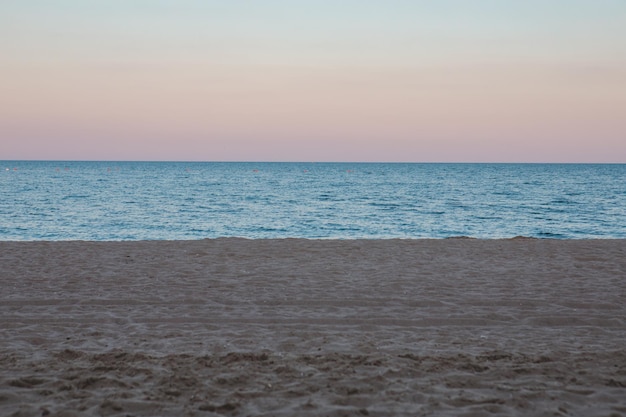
186 200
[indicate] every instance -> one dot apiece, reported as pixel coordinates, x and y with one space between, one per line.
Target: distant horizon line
308 162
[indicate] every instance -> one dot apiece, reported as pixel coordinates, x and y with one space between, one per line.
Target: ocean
51 200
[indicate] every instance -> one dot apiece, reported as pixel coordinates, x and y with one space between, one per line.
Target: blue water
176 200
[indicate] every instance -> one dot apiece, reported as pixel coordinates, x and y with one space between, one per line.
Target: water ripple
149 200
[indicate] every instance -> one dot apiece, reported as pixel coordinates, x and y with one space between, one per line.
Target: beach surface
294 327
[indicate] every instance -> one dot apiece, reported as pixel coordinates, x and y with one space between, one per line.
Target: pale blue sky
414 30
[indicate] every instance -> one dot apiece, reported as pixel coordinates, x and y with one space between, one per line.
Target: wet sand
236 327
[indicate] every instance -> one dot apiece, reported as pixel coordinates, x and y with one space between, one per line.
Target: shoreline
235 326
326 239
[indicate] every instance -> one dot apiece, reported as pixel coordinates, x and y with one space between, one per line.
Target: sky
313 80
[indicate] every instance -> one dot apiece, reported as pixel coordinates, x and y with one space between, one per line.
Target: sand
236 327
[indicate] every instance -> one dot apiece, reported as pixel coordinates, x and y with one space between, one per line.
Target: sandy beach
294 327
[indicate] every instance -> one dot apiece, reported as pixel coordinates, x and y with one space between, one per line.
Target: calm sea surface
165 200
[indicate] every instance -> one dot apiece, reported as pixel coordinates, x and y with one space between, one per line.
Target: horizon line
315 162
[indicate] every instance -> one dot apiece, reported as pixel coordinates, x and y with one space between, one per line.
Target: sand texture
235 327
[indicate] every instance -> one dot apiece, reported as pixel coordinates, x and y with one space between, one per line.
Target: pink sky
364 81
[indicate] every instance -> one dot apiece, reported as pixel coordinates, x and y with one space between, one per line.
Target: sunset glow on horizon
400 80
